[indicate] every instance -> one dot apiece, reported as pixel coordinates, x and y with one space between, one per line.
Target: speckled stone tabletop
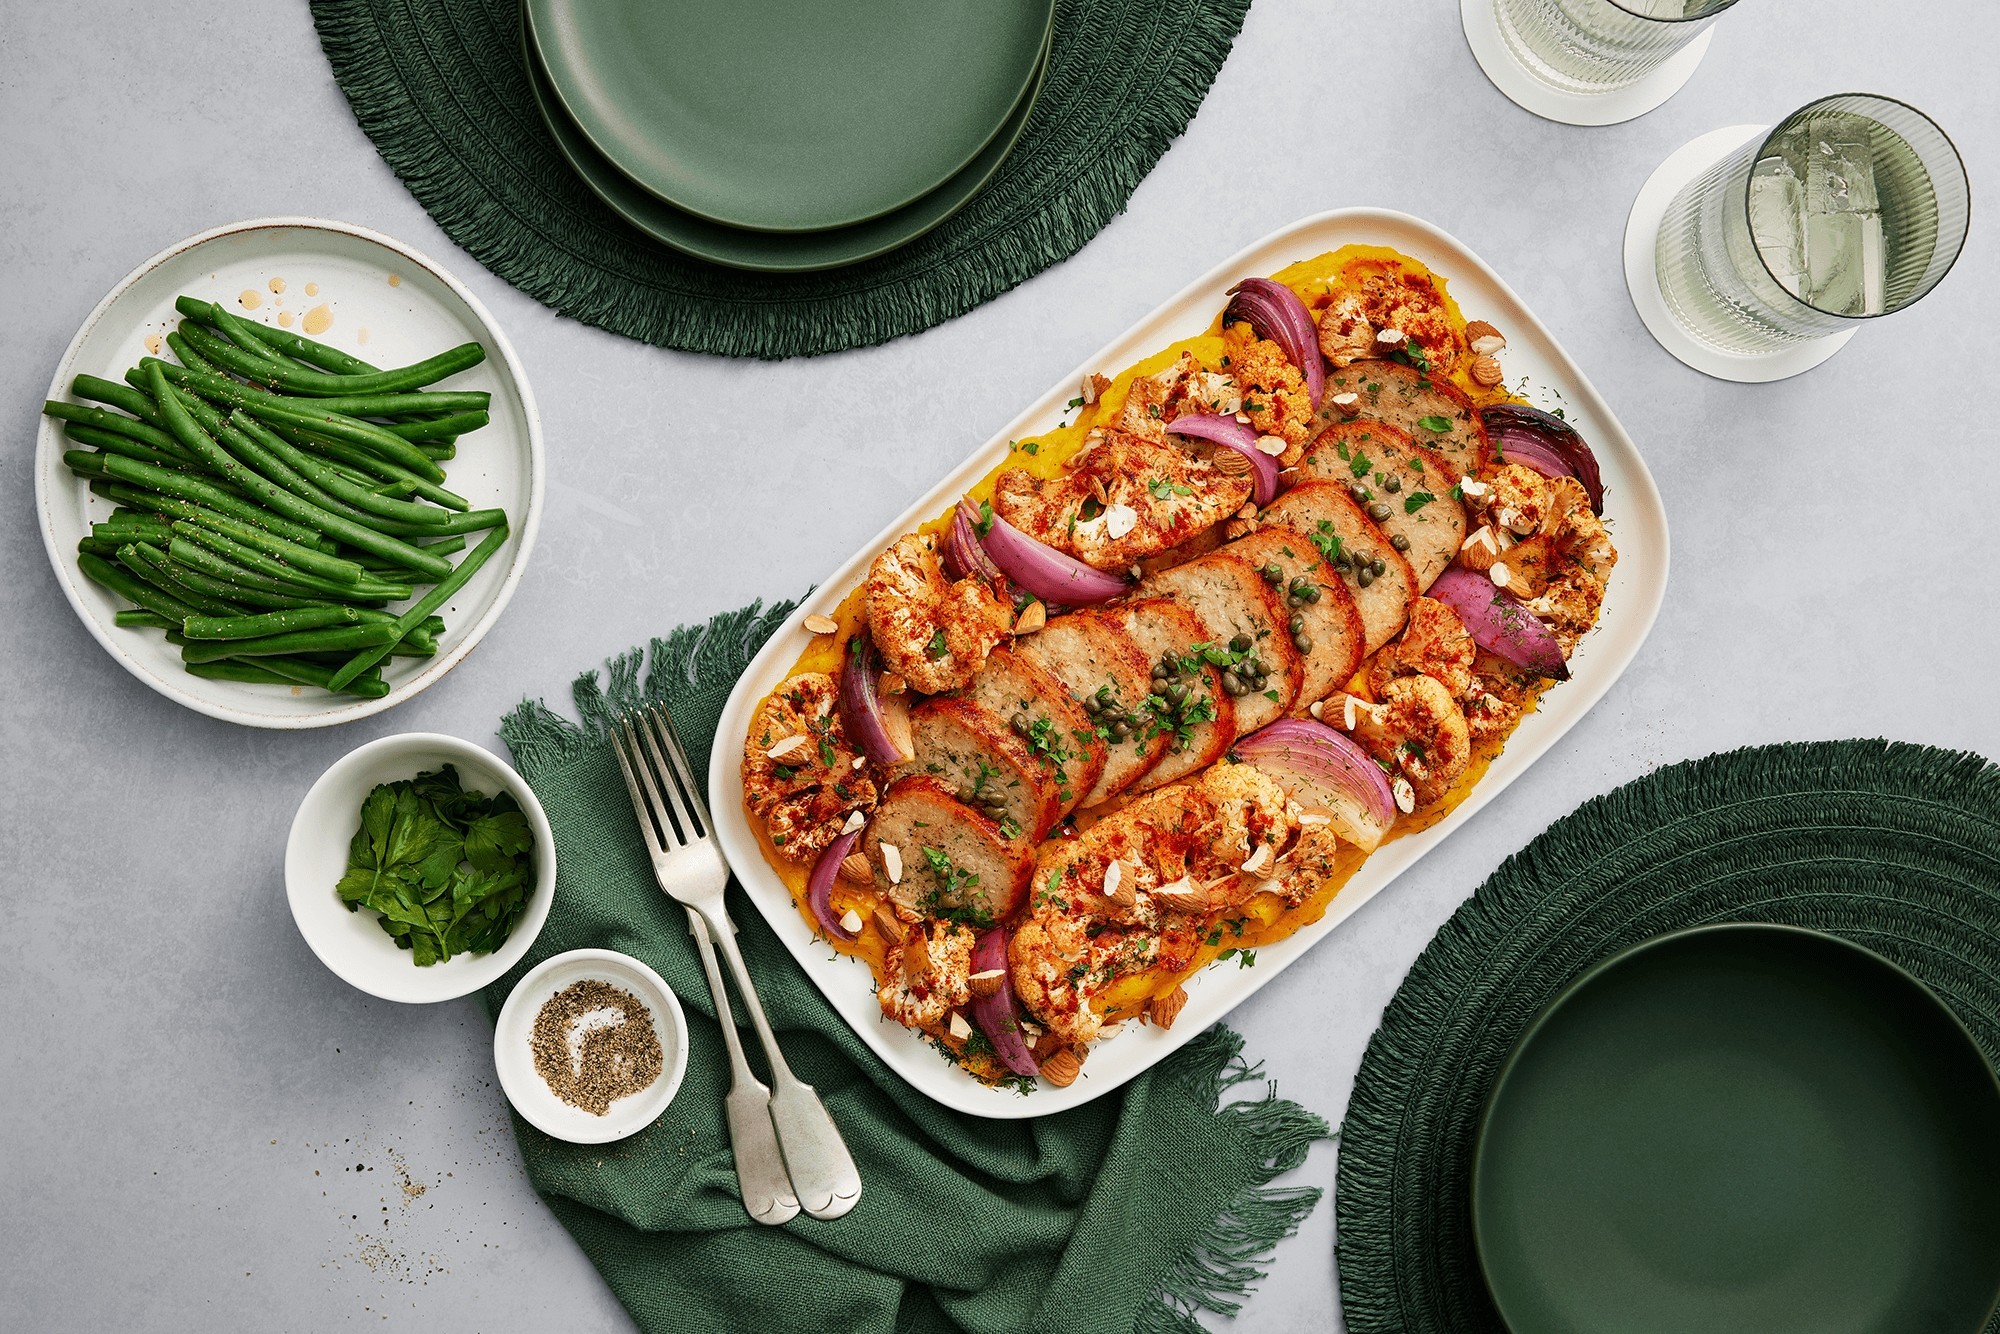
204 1128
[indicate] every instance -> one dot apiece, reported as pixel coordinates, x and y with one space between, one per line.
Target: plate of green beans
289 472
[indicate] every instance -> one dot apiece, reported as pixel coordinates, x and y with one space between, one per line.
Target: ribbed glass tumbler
1852 207
1600 46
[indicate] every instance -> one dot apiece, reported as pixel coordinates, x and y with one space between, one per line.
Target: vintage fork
692 870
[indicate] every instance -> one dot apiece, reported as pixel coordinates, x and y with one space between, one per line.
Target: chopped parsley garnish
1327 541
1076 402
1359 466
1434 423
1416 500
1163 489
985 524
1033 447
937 648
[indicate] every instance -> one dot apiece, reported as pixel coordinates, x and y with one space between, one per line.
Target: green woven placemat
1123 1216
439 86
1895 847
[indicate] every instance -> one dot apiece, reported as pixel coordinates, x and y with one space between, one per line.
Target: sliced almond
1259 858
907 915
1163 1010
1347 404
987 983
820 625
916 955
1486 371
1248 511
1110 1031
1062 1067
886 926
1114 876
1500 574
850 922
1097 490
1230 463
1390 340
1480 550
855 819
1483 338
1273 445
1182 895
892 863
1120 520
1315 707
958 1027
1032 618
855 867
1094 386
1473 489
1406 796
788 746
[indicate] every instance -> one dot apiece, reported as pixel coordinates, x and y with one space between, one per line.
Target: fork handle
760 1168
822 1170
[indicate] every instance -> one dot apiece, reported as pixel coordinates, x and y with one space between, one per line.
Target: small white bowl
515 1058
351 943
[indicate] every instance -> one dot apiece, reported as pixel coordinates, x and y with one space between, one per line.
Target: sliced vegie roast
1436 415
1058 730
1244 615
1405 488
1202 722
981 761
1329 624
1111 679
1327 516
950 859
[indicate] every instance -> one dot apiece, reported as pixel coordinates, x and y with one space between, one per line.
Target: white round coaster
1489 48
1642 277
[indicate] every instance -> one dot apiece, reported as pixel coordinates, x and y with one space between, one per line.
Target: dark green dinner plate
774 115
1742 1129
772 252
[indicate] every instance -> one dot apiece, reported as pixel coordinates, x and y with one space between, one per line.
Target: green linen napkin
1127 1214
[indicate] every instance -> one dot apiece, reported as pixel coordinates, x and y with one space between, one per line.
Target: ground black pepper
595 1044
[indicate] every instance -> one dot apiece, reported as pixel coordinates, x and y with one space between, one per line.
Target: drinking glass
1852 207
1600 46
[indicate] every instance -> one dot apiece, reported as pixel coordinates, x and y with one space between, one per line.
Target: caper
996 812
1133 721
1393 485
1378 567
1261 684
1119 731
1177 696
1092 704
1240 644
1297 623
1312 594
1358 491
968 794
1232 683
1343 560
1361 558
1273 575
1021 723
1159 671
1302 643
1365 578
1378 511
1400 542
1295 599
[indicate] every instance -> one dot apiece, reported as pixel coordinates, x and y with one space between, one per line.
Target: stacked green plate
783 138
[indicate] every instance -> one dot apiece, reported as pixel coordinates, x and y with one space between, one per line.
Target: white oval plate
1631 507
353 944
425 313
514 1057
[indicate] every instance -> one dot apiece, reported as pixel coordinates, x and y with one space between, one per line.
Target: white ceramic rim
647 1104
1642 273
480 970
340 709
1632 604
1523 89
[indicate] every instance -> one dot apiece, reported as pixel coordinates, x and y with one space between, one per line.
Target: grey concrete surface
205 1129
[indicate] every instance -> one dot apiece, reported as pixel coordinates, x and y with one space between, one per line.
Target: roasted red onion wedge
819 888
1518 446
1326 772
1233 434
1051 575
1499 623
999 1015
872 721
1511 425
1275 312
964 558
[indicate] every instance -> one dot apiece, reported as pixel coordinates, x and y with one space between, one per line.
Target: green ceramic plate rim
1603 965
971 180
1030 84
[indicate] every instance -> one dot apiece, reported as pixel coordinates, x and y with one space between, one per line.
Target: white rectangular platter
1632 510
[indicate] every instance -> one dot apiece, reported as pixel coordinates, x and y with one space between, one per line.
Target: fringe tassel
438 86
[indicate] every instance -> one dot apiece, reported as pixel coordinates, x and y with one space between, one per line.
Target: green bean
257 562
283 340
190 358
319 384
191 555
133 589
438 451
176 508
322 475
101 420
126 396
248 336
357 403
143 620
364 461
269 623
299 641
442 547
151 564
290 412
335 568
134 532
368 686
226 670
99 546
252 596
111 442
428 603
463 423
280 499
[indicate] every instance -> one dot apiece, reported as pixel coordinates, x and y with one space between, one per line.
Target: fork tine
639 807
671 836
679 752
667 781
